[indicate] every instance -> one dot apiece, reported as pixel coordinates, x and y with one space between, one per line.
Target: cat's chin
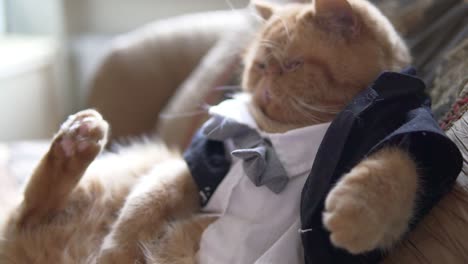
267 124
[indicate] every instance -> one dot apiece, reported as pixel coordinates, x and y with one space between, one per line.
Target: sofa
157 81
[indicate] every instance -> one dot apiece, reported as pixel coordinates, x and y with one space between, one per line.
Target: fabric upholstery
186 110
144 68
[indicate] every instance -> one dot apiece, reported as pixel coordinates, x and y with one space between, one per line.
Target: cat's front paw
372 205
350 214
82 135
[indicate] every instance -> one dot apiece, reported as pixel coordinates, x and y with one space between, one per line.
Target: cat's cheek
259 96
263 98
275 111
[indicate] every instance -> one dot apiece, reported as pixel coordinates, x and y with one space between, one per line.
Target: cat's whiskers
313 113
293 108
326 109
309 116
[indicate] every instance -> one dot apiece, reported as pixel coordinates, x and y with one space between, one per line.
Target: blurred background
49 48
51 51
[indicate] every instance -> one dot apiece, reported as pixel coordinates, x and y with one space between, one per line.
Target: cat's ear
336 15
264 9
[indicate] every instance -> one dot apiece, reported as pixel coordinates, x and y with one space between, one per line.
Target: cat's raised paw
82 135
351 215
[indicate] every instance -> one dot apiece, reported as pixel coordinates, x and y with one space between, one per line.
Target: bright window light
2 17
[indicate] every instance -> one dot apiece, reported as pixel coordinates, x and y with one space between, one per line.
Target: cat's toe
82 135
353 222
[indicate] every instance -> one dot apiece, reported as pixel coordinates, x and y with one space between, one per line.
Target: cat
141 204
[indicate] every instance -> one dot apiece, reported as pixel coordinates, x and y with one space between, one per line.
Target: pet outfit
263 223
259 199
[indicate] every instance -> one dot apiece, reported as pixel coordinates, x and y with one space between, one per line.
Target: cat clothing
259 221
392 111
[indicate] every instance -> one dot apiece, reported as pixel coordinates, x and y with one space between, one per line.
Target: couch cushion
143 68
431 28
451 83
186 110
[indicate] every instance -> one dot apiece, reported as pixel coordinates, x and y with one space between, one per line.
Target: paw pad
83 133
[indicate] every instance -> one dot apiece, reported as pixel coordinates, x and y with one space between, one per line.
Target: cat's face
309 60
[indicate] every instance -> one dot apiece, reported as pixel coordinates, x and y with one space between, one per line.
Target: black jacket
393 111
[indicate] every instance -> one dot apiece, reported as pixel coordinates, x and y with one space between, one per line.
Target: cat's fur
303 67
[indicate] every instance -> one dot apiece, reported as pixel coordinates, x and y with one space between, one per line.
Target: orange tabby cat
305 64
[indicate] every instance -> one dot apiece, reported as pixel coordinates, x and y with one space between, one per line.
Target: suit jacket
392 111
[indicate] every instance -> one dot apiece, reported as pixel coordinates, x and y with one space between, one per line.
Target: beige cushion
144 68
187 109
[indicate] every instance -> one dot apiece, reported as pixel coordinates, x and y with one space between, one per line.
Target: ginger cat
139 206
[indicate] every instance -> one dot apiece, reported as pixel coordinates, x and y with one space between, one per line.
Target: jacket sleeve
438 159
208 164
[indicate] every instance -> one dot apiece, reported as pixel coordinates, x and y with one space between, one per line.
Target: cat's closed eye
286 66
260 65
292 65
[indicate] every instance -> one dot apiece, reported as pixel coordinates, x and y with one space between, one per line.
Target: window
2 17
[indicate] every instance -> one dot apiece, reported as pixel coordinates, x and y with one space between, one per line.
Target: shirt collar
296 149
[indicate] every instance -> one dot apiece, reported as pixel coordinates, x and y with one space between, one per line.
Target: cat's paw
350 215
372 205
82 135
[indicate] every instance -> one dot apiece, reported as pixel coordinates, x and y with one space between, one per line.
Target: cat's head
309 60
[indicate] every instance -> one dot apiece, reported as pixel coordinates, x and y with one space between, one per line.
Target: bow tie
260 161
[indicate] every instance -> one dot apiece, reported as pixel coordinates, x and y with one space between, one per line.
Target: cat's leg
168 192
74 147
180 241
371 206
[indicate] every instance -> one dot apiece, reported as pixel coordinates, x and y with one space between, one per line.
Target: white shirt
256 225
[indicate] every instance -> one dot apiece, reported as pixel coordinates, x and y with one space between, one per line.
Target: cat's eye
260 65
292 65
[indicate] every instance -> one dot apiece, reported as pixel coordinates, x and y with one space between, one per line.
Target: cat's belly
255 224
